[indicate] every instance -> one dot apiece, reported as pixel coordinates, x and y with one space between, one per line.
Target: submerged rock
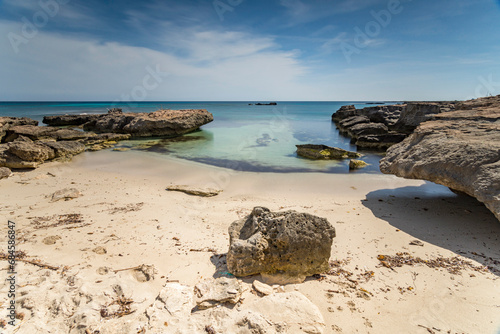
286 245
357 164
459 149
323 152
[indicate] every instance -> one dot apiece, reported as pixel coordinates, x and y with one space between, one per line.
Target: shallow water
241 137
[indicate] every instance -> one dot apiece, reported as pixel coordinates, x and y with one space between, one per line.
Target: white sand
372 215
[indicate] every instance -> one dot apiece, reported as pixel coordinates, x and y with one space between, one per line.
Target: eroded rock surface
380 127
458 149
168 123
286 245
323 152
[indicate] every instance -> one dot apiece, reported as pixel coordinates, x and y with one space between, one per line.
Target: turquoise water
241 137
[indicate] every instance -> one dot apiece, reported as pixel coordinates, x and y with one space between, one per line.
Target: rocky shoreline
380 127
459 149
24 144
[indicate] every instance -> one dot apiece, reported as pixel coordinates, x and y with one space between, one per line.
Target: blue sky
327 50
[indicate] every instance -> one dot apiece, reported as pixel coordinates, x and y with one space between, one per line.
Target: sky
249 50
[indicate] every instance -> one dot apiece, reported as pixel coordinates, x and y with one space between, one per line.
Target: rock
65 194
64 120
5 172
45 133
66 149
415 113
168 123
212 292
459 149
100 250
51 240
289 245
291 310
351 121
209 192
417 243
145 273
262 288
387 114
366 129
172 308
7 122
9 160
323 152
31 151
357 164
380 142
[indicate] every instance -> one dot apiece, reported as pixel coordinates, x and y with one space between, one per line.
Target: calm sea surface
242 136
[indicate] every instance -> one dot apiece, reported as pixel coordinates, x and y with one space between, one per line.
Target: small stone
5 172
103 270
417 243
100 250
51 240
262 288
65 194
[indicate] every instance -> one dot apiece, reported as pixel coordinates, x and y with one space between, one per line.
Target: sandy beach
125 218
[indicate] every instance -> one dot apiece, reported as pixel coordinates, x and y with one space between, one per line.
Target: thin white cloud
52 67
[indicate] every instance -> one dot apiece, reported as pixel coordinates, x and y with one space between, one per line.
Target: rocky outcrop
65 120
161 123
380 127
283 247
7 122
323 152
27 145
459 149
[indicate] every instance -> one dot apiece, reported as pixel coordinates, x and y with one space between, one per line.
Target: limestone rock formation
286 245
379 127
323 152
7 122
459 149
64 120
168 123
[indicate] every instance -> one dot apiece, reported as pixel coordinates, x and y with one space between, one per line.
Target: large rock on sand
459 149
165 123
284 247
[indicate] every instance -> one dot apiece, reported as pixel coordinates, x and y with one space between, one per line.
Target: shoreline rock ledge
160 123
458 149
284 247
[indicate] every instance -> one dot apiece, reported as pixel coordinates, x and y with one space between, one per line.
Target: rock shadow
435 215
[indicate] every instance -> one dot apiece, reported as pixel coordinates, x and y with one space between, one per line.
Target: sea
243 136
